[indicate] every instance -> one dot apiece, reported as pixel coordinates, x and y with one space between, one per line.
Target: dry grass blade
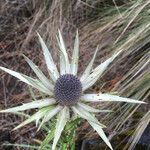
143 123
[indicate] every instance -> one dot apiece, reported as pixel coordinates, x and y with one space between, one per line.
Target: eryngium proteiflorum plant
65 91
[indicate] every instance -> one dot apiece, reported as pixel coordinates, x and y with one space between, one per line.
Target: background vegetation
114 25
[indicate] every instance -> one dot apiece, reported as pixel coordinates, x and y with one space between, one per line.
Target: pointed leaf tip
108 97
64 60
52 69
75 56
101 133
88 69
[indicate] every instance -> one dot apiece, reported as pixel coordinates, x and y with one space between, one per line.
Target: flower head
65 90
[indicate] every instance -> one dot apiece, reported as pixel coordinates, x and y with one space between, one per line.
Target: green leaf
61 122
48 138
72 124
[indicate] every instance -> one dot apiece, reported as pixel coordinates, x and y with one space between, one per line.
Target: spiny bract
67 90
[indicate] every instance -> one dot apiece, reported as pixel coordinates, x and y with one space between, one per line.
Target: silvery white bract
65 90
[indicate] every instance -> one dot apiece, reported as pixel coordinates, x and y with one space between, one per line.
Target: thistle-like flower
65 91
